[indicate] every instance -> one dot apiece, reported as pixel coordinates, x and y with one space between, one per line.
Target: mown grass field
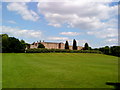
58 70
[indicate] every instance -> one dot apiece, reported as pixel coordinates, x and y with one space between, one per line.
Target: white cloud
0 6
11 21
16 0
97 18
60 0
83 15
70 33
82 42
55 25
24 33
106 33
112 40
22 9
58 38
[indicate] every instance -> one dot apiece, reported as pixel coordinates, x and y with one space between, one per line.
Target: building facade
52 45
49 45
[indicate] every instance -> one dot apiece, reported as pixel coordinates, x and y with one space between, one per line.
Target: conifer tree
86 47
74 45
66 45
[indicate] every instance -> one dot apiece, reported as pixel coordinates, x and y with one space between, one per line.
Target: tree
15 45
66 45
41 45
106 50
115 50
23 43
11 44
74 45
86 47
5 42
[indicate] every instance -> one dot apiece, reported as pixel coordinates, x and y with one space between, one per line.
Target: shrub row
44 50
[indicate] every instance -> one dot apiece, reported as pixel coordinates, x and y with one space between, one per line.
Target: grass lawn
58 70
0 71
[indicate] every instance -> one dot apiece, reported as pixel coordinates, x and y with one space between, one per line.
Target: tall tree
66 45
74 45
86 46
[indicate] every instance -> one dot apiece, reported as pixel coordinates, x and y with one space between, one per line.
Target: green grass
58 70
0 71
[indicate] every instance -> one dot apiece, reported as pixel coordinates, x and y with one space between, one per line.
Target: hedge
44 50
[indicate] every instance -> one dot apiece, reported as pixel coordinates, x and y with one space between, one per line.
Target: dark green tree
74 45
41 45
66 45
23 43
5 42
115 50
11 44
106 50
15 45
86 47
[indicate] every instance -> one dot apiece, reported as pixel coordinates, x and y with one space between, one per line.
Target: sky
93 22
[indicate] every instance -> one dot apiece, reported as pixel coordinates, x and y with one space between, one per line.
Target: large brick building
52 45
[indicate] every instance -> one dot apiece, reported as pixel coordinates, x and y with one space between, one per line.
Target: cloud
22 9
106 33
17 0
70 33
82 15
59 1
12 22
0 6
112 40
58 38
82 42
24 33
97 19
55 25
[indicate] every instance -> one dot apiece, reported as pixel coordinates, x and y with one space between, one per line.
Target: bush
44 50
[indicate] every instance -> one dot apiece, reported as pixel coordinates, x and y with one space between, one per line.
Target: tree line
14 45
113 50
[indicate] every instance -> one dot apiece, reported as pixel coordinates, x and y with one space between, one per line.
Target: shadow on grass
116 85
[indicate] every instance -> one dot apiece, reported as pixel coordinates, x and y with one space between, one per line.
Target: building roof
51 42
